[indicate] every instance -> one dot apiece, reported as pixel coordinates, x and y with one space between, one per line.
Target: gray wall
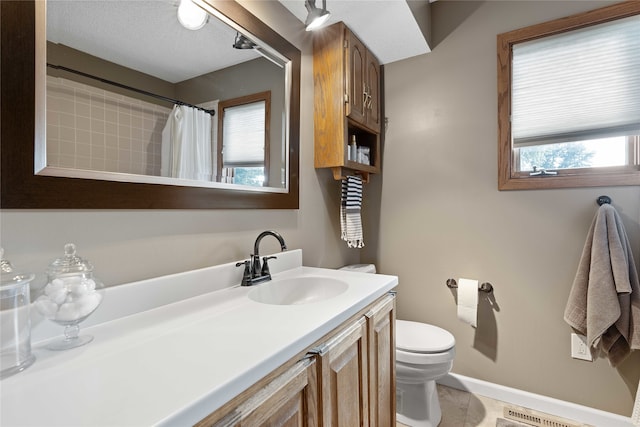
442 216
59 54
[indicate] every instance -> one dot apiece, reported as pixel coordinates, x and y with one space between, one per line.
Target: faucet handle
265 266
246 275
255 265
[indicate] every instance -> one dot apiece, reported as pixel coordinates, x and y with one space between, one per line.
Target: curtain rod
120 85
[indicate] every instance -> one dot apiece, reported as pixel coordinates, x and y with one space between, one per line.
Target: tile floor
463 409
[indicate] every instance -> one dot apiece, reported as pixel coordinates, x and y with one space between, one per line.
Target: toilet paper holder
484 287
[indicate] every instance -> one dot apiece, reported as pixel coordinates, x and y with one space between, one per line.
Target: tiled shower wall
90 128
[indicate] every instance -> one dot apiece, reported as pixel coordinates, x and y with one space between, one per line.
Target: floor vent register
538 419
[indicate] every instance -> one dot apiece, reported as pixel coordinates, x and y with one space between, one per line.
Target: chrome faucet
254 271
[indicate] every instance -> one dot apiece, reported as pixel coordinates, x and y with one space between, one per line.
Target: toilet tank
361 268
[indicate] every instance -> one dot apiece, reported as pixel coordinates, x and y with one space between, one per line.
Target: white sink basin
298 290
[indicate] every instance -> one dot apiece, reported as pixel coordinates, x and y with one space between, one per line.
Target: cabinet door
363 84
372 107
287 401
382 362
356 69
343 376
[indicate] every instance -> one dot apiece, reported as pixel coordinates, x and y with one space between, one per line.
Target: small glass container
353 149
15 322
72 293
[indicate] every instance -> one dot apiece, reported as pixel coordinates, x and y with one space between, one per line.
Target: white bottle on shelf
353 149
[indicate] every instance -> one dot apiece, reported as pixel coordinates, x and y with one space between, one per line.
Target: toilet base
417 405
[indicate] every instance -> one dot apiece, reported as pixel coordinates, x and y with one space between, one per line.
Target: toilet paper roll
468 301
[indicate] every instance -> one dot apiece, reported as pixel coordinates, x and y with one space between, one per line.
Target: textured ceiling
145 35
387 27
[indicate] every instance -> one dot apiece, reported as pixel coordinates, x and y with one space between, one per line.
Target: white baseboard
568 410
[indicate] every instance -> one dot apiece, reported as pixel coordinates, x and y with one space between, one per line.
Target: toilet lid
419 337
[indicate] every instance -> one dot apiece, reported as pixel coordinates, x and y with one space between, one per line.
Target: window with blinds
244 143
243 135
569 100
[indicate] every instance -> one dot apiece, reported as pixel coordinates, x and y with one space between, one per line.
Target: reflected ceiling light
191 16
316 17
242 42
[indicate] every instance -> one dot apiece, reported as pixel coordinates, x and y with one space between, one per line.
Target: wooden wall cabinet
347 101
346 379
363 84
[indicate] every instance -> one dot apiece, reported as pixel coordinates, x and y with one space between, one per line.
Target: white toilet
424 353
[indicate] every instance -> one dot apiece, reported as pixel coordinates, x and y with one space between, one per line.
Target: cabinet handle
367 99
365 95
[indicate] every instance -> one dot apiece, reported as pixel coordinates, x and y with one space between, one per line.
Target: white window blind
578 85
244 135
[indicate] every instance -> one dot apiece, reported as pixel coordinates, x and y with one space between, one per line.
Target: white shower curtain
187 145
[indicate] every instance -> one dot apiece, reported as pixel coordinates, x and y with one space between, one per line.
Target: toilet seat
416 337
420 343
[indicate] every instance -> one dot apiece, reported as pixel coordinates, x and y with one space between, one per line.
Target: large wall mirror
118 105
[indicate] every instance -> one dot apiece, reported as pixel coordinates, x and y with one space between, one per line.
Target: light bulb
191 16
318 21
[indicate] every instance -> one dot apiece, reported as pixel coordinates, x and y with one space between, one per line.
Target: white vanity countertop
174 364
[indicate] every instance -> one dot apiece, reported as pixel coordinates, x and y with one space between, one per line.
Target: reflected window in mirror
569 114
243 141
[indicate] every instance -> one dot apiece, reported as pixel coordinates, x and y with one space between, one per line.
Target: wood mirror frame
20 127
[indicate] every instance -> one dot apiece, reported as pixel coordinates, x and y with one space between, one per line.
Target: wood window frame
247 99
508 177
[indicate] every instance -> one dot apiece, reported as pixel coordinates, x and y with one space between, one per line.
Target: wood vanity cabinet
381 321
343 372
347 101
288 400
356 371
347 379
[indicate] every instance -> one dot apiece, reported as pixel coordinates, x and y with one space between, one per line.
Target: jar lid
70 263
8 277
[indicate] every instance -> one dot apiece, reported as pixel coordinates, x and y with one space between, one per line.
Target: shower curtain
187 144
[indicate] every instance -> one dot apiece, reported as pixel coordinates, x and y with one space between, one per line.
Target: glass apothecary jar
15 322
71 294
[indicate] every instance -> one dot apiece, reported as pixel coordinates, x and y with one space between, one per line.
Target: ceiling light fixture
191 16
242 42
316 17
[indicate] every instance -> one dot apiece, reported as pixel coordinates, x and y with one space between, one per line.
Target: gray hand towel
604 302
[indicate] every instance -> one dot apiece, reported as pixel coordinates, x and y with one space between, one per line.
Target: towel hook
604 199
484 287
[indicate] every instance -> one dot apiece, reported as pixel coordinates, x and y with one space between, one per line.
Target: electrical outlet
579 348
